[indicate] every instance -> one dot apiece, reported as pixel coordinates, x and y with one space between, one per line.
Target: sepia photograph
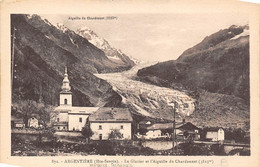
130 84
169 85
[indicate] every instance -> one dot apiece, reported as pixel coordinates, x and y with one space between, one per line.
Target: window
80 119
58 127
186 105
122 127
58 119
100 127
65 101
100 136
63 127
122 135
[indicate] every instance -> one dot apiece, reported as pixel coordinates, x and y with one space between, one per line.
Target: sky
153 37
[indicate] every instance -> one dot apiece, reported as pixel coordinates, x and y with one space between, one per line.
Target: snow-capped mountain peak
113 54
85 28
93 38
244 33
34 16
62 27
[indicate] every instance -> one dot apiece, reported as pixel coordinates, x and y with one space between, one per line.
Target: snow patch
93 38
136 61
61 27
29 16
71 40
140 110
114 57
244 33
47 36
85 28
119 51
45 20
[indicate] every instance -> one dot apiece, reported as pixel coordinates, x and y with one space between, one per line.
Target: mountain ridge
204 65
41 52
113 54
215 72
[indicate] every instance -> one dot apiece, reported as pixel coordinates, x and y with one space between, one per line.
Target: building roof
160 126
60 123
145 122
107 114
35 116
17 120
188 126
213 129
76 110
65 92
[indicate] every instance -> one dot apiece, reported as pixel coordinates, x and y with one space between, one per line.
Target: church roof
65 83
107 114
65 92
76 110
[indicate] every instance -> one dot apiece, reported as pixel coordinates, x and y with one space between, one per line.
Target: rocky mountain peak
115 55
62 27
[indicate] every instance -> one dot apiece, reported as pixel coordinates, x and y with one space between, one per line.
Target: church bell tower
65 94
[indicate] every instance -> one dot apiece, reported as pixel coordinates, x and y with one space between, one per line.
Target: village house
163 130
72 118
17 122
215 134
188 130
159 130
105 120
33 122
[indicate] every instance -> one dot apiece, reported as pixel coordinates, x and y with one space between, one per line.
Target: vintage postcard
127 83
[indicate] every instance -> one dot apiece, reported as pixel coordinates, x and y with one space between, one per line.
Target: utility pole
12 70
173 105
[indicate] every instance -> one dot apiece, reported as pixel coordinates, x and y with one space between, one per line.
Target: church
101 120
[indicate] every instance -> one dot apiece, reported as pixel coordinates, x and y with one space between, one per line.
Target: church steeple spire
66 83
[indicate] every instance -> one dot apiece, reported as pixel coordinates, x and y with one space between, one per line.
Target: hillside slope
215 72
219 64
41 52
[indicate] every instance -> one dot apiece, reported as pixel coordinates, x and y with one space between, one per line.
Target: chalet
215 134
143 124
159 130
162 130
188 130
33 122
105 120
